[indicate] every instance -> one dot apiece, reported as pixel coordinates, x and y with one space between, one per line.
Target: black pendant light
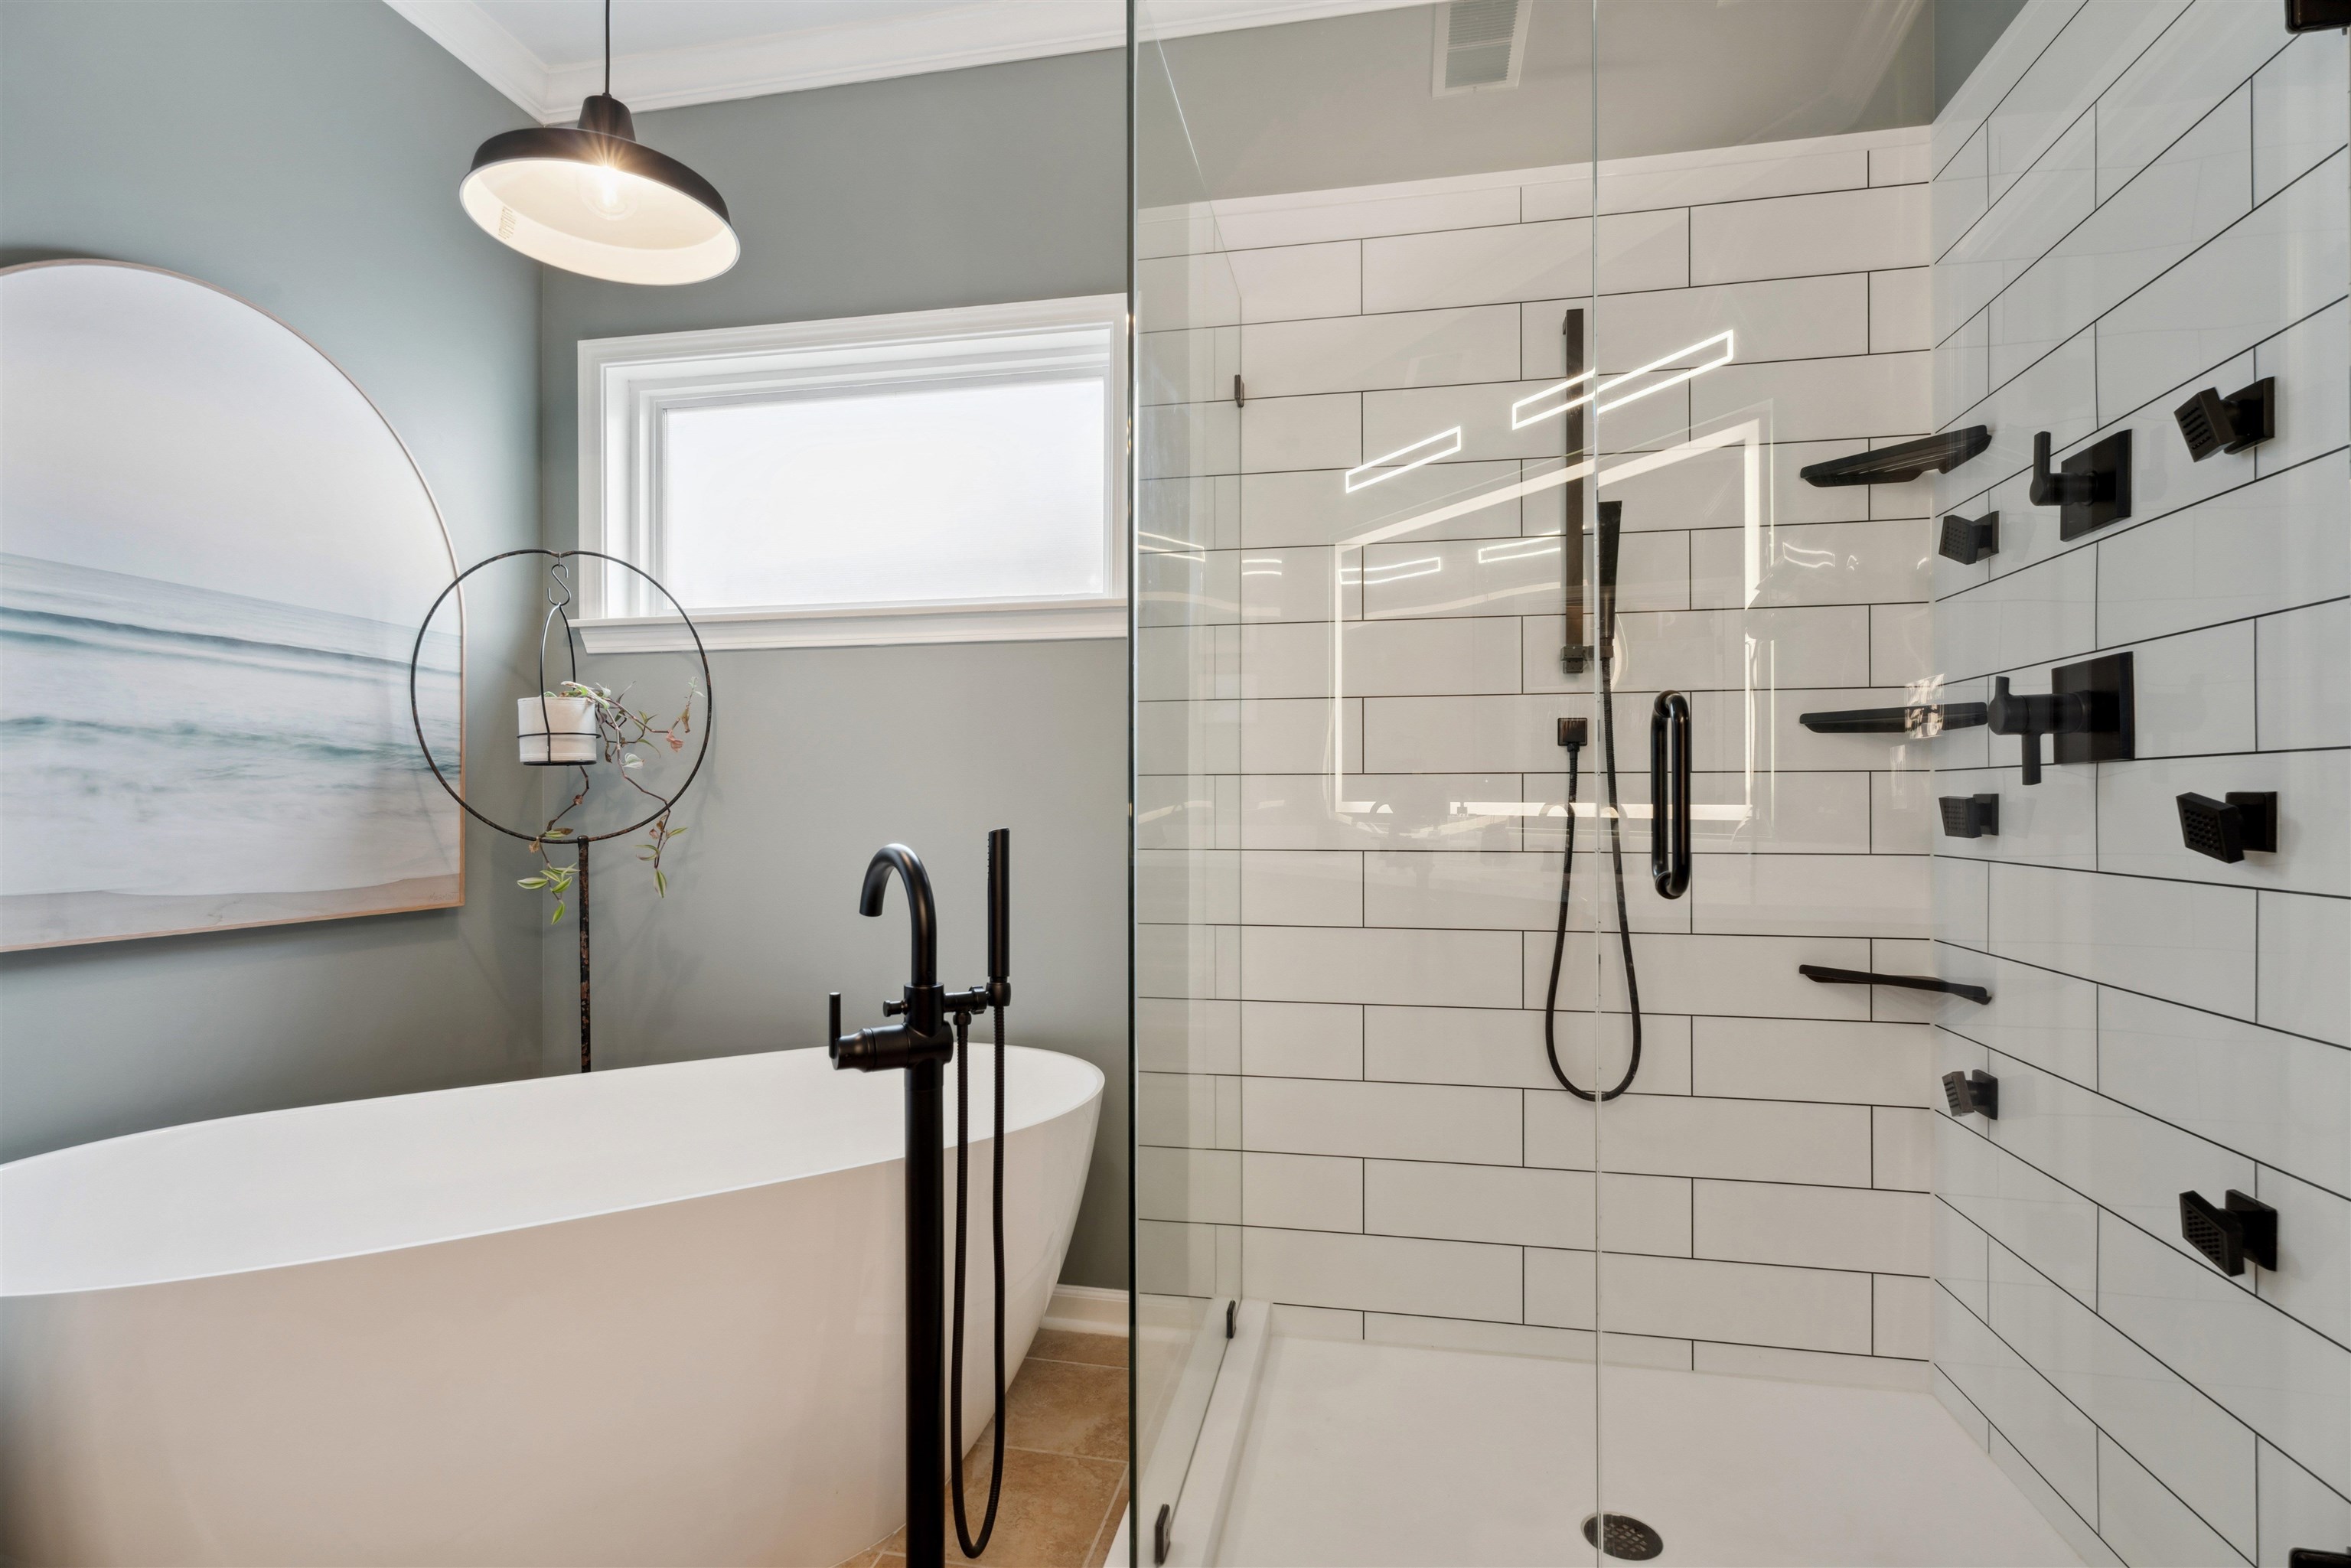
597 202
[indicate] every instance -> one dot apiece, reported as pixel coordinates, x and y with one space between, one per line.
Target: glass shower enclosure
1708 987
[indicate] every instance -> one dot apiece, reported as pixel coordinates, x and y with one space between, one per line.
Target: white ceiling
546 55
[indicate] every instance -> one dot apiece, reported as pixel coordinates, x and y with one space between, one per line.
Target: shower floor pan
1363 1454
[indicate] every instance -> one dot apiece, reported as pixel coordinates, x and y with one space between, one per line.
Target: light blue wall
964 187
304 155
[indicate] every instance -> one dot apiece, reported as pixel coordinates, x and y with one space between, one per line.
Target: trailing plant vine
625 737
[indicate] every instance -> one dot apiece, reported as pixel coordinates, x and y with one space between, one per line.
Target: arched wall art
213 553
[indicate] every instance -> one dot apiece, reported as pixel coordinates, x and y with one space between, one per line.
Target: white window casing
630 388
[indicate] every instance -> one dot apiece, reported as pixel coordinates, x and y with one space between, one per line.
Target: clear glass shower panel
1187 1031
1759 311
1891 1134
1357 240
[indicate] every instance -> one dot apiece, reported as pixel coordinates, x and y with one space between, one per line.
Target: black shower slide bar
1828 976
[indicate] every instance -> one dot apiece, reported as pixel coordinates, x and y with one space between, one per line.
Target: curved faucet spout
909 867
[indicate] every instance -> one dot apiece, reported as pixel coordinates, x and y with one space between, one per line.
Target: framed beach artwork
213 556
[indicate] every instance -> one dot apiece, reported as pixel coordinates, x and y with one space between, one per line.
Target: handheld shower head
1611 527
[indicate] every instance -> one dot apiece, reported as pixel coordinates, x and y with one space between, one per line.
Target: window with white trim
944 475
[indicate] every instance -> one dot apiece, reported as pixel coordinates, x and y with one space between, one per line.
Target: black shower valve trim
2210 423
2089 708
1970 816
2242 1229
2055 713
2316 17
1967 540
2090 489
1973 1093
2225 829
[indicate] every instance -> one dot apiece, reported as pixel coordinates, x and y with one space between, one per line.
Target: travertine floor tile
1092 1349
1062 1407
1064 1461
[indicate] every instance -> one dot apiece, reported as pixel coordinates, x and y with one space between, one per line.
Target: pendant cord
608 48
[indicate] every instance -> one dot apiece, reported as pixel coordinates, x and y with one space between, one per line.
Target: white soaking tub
649 1315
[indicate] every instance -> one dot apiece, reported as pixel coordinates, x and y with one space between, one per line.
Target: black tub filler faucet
933 1029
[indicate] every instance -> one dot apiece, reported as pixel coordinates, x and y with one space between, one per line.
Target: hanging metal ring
558 560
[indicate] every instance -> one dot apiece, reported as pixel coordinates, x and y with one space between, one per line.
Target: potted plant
555 729
593 723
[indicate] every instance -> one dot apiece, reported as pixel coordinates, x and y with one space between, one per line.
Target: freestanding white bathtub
650 1315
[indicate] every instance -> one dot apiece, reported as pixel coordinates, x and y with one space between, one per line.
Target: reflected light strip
1516 550
1393 572
1161 544
1749 435
1746 433
1519 418
1435 448
1732 813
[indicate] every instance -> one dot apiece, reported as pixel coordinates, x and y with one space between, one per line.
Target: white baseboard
1087 1309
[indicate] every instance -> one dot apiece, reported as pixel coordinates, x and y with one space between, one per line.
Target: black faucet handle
2008 714
847 1051
2048 487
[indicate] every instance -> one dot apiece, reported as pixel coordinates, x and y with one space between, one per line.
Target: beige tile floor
1065 1458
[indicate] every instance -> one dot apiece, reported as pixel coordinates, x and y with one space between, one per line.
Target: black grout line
2151 404
2010 90
2126 990
1525 1247
2095 1426
1989 1425
1993 1426
2118 1329
2091 324
2247 1291
1621 1333
2095 200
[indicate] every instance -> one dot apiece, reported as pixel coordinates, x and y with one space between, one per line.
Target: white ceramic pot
573 720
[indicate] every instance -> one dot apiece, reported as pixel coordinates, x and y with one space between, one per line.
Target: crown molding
488 50
827 57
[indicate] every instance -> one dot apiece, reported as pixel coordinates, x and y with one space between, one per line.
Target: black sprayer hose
1623 925
972 1548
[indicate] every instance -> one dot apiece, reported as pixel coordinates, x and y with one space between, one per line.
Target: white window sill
862 626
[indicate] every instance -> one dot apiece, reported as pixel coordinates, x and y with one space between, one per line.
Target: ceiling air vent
1480 45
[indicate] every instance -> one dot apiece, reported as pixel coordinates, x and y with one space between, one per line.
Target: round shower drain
1627 1538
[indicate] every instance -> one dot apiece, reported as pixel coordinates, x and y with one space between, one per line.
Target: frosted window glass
985 491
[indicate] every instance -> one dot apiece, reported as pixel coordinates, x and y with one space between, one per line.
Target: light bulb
608 195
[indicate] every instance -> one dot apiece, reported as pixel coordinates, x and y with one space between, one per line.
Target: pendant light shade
597 202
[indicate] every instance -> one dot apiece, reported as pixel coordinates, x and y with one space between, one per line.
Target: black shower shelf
1900 465
1893 720
1959 988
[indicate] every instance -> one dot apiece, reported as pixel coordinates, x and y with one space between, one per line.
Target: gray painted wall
967 187
1965 31
303 156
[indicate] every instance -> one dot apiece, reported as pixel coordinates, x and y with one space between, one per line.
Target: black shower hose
972 1548
1624 926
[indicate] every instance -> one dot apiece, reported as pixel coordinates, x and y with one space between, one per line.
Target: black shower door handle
1669 794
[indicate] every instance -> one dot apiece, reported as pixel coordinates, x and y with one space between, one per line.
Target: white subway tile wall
2130 202
1355 803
